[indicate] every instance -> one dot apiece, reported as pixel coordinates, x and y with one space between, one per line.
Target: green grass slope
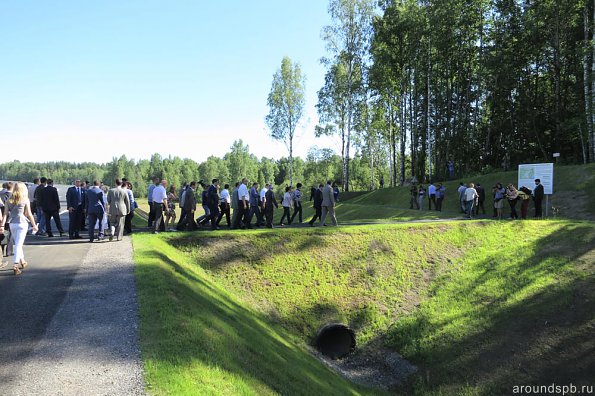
198 339
574 194
479 306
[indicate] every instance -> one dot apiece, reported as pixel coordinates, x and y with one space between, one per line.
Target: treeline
320 165
482 83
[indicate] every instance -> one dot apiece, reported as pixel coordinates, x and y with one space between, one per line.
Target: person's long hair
19 193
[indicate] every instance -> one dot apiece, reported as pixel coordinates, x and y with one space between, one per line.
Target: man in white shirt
431 196
224 205
152 186
159 202
469 196
243 204
263 193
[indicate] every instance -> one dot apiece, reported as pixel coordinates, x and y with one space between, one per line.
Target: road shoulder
91 345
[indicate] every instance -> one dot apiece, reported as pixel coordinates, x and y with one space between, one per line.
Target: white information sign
529 172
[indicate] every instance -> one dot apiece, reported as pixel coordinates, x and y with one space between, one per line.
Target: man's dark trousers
296 210
75 218
48 221
158 213
268 213
214 215
242 214
255 210
316 216
538 208
182 221
151 215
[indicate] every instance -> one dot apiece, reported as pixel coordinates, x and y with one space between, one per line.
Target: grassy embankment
479 306
574 189
198 338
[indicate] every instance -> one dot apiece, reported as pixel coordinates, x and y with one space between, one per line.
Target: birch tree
286 102
348 42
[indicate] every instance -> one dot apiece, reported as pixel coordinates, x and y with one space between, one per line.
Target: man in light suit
75 202
95 209
328 203
119 207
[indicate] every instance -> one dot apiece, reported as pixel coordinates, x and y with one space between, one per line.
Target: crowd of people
92 207
107 212
472 199
239 205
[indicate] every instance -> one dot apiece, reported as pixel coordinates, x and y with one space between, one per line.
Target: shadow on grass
509 334
200 325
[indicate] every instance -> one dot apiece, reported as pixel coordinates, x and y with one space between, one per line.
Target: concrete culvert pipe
335 340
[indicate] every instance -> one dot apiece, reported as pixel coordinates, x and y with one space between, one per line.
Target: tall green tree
241 163
286 102
347 40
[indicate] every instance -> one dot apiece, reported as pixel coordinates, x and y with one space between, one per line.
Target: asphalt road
69 323
29 302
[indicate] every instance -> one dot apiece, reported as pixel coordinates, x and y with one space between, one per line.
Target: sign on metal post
529 172
545 172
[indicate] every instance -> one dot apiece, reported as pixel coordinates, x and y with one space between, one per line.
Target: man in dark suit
76 205
254 205
213 202
538 198
95 209
187 222
85 185
317 204
204 201
481 197
270 204
50 204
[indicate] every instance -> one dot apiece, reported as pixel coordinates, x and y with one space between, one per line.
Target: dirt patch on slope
372 366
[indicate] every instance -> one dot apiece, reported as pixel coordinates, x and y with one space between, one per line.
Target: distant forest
320 165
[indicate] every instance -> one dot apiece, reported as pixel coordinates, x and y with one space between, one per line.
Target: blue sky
87 81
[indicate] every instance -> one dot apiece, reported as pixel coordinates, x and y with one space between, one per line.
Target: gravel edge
91 346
